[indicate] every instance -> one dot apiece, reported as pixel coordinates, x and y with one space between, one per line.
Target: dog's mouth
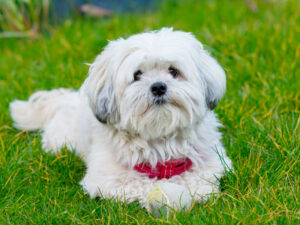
159 101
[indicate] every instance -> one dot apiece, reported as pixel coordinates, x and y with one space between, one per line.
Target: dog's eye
174 72
137 74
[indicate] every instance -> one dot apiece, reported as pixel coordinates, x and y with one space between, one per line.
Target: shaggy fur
114 123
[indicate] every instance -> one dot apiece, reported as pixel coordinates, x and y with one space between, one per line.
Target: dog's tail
39 109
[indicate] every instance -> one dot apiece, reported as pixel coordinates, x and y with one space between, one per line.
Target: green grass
260 52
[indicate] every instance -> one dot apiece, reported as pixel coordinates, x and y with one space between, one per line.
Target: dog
143 117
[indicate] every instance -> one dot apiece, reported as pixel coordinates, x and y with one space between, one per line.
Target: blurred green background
257 43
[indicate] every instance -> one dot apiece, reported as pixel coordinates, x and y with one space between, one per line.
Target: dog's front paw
167 197
90 188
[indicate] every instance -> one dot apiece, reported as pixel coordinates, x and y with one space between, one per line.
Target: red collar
165 170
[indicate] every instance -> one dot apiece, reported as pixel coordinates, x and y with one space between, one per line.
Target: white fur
137 130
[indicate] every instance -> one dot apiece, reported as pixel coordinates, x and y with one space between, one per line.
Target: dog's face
154 84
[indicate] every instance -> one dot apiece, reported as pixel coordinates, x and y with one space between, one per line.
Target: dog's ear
211 73
214 79
106 109
98 86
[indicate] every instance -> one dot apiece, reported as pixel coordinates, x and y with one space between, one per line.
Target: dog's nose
158 89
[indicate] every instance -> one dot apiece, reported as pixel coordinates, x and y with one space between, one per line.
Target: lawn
260 51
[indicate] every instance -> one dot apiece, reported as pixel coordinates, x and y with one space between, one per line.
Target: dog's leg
54 112
118 186
168 197
60 131
105 178
157 197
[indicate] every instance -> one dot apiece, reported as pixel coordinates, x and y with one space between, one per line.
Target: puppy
144 116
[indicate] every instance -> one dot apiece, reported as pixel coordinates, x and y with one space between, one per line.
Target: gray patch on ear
212 104
211 101
106 109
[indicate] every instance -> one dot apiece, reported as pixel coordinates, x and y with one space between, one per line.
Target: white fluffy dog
144 116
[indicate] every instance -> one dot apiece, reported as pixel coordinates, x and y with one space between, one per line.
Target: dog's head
154 84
